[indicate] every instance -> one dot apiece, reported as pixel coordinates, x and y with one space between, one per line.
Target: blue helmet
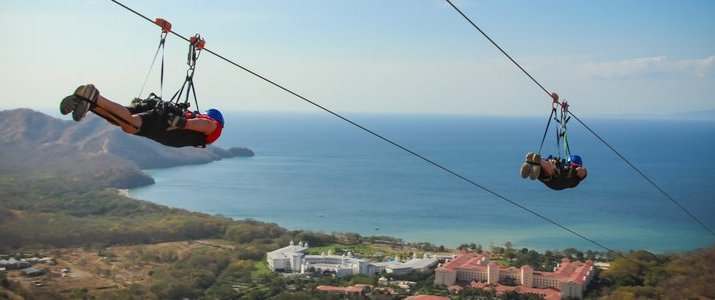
216 115
576 160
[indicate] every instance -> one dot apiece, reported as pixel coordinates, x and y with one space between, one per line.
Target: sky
377 56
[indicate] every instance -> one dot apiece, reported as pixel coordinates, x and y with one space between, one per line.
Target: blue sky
397 56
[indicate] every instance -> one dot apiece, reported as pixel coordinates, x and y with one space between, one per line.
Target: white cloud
651 66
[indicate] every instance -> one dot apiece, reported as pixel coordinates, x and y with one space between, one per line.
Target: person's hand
175 122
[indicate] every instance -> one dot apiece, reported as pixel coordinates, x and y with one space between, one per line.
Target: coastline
217 153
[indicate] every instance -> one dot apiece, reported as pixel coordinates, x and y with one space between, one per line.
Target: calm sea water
316 172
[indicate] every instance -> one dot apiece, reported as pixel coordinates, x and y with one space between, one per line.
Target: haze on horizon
606 57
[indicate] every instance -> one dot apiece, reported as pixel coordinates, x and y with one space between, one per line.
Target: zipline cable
644 175
678 204
498 47
388 140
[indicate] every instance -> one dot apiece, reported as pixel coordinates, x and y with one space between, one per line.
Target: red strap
198 41
164 24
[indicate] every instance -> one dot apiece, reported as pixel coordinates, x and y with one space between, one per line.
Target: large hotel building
569 279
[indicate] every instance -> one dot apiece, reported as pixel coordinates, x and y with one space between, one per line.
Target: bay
316 172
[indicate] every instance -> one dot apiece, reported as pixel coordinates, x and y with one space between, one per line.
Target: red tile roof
466 260
548 293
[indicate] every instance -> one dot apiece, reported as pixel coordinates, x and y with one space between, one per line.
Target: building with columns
288 258
570 278
295 259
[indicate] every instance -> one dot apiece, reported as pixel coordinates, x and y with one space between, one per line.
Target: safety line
584 125
388 140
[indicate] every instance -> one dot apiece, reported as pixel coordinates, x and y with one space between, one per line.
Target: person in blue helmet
152 118
554 172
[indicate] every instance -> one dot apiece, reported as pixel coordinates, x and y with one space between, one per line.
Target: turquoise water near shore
316 172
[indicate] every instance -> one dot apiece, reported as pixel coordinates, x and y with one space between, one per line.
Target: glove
175 122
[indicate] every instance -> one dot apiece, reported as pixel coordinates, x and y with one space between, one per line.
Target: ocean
313 171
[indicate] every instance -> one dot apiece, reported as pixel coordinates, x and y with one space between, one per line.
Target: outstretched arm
201 125
581 172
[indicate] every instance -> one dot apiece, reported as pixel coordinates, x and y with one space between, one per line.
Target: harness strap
165 29
195 46
543 138
564 120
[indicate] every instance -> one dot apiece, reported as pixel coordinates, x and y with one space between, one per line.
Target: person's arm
204 126
581 172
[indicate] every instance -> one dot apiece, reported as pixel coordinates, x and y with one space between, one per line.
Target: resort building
295 259
569 278
288 258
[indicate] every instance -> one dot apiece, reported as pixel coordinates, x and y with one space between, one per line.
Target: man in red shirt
151 118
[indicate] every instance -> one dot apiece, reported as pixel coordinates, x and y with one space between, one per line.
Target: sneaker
525 170
532 157
535 171
88 92
68 104
80 110
87 96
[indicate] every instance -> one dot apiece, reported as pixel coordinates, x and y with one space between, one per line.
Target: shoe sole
80 110
535 171
68 104
525 170
529 156
88 92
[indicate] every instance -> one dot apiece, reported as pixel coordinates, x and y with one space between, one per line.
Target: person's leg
547 167
115 120
91 99
117 112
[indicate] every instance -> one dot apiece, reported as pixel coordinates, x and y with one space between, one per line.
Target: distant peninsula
33 143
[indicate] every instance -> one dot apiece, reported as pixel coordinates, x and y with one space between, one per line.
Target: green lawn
365 250
261 269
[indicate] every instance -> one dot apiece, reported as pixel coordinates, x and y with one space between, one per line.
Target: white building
288 258
294 259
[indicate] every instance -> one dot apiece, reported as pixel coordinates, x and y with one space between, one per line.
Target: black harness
155 123
565 176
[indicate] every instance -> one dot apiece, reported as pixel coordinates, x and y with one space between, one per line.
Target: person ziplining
167 122
556 172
